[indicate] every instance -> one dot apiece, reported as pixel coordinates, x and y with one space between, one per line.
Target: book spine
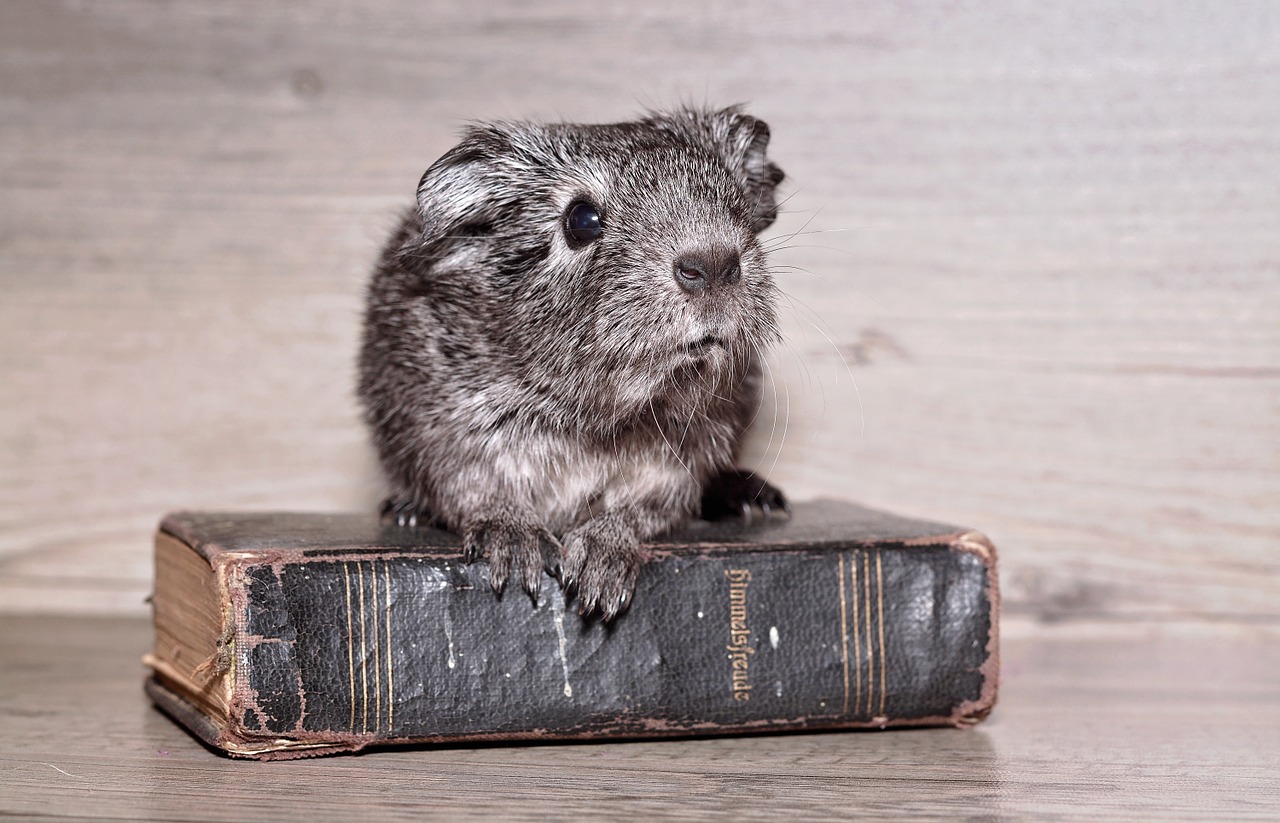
347 650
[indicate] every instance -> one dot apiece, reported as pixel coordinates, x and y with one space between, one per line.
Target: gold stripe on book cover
862 620
368 623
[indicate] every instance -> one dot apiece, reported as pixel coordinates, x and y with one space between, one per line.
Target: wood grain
1032 258
1161 727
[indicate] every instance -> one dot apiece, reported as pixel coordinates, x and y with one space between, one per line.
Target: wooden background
1034 282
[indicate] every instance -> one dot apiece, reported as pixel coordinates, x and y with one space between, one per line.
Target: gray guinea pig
562 342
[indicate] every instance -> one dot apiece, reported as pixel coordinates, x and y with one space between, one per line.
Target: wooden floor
1168 727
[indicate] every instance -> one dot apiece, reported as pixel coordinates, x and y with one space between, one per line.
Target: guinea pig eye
582 223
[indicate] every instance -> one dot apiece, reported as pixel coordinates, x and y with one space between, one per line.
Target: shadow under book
289 635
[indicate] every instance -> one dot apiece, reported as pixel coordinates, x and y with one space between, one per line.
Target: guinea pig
562 342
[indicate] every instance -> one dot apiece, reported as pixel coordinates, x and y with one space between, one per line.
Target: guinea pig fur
562 342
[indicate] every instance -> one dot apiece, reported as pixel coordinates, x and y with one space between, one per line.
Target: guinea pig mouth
705 344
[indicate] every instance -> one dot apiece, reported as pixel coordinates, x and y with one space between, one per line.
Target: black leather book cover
348 633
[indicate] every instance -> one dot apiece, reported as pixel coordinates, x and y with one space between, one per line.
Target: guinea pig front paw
511 544
601 562
740 492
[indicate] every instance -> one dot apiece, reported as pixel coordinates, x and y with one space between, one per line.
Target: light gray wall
1031 253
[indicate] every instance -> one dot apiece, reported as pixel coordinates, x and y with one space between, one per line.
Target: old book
288 635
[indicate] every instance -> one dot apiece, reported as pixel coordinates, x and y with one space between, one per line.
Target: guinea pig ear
456 195
743 140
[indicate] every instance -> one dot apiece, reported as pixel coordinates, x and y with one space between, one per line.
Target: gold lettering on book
739 648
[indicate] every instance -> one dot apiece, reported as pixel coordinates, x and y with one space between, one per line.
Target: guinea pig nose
697 271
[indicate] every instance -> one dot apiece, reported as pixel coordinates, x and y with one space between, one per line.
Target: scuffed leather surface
815 522
428 652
